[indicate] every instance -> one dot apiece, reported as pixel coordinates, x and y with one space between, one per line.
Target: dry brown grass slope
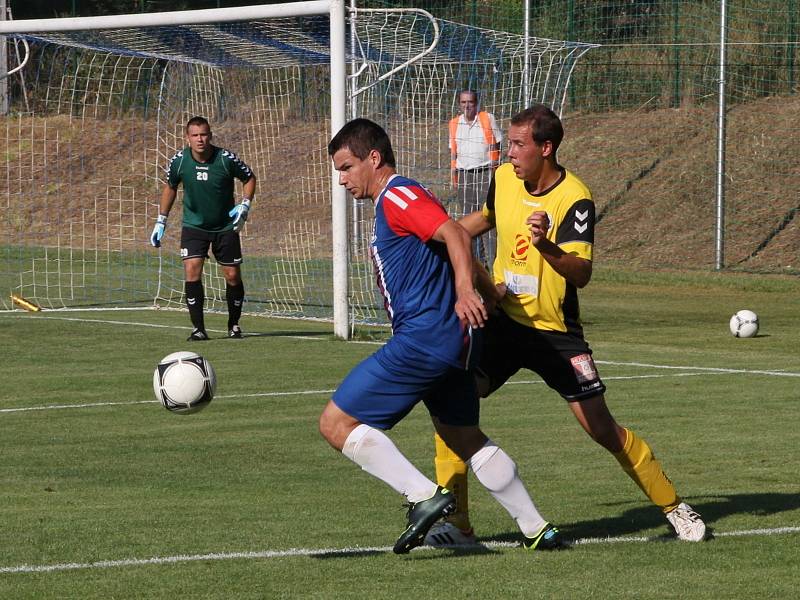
654 175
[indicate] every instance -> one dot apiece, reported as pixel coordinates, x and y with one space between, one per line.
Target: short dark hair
361 136
473 93
544 123
199 121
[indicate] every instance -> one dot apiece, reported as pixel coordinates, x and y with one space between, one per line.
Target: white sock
498 474
375 453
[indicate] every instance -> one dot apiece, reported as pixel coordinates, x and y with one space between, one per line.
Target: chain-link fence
642 123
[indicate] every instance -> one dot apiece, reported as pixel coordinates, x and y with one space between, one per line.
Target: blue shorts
384 387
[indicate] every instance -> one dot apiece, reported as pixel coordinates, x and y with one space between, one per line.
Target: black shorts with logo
563 360
225 245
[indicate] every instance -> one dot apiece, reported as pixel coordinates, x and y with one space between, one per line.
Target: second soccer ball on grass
744 324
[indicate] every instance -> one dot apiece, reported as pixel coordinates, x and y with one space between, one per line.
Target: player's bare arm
475 223
249 188
168 195
164 206
491 293
576 270
469 306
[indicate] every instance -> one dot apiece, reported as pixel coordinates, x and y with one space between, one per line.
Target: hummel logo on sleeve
580 220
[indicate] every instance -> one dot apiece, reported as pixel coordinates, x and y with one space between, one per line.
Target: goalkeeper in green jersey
211 219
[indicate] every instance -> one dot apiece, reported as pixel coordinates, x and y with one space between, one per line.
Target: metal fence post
4 104
790 44
719 230
676 55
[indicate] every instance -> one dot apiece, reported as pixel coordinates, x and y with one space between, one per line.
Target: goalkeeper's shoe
445 533
197 335
421 515
235 332
687 523
549 538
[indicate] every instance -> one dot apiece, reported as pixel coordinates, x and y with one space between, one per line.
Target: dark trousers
473 185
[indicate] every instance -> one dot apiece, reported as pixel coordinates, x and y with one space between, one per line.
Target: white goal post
336 11
100 107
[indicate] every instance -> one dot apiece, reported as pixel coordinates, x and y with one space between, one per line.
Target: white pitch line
317 339
304 393
93 404
695 370
264 394
158 326
706 369
309 552
623 377
742 533
63 406
321 392
103 321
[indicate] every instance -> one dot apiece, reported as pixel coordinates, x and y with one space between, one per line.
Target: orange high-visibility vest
488 134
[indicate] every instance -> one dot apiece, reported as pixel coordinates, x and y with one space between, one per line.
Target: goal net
96 114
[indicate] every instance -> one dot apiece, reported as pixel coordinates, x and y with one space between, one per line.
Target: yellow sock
638 461
451 472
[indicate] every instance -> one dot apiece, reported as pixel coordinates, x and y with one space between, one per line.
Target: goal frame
335 9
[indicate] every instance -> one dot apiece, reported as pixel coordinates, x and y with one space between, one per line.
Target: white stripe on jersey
390 195
405 192
238 161
470 347
382 282
177 155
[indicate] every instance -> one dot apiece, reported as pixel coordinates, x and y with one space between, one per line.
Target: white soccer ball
184 382
744 324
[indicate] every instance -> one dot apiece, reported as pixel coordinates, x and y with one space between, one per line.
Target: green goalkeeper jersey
208 187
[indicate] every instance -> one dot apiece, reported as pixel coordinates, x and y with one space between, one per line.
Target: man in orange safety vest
474 154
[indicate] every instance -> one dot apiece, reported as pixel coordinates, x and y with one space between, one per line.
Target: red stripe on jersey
412 210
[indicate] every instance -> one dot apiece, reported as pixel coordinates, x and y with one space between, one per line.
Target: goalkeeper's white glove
158 230
239 213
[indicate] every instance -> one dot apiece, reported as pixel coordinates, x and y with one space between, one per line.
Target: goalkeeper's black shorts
225 245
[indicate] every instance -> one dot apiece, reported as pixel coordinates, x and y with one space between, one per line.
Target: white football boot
687 523
444 533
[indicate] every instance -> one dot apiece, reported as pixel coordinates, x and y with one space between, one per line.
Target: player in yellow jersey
544 216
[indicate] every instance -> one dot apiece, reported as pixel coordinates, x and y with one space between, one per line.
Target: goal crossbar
101 108
176 17
336 11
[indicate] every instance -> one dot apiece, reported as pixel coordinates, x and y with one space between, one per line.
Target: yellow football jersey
538 296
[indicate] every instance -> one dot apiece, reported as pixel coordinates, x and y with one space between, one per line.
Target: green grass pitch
107 495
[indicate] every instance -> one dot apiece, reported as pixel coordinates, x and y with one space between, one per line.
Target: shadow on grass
445 552
424 553
347 553
249 334
636 520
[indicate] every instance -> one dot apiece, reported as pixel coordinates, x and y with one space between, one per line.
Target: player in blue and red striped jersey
424 270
